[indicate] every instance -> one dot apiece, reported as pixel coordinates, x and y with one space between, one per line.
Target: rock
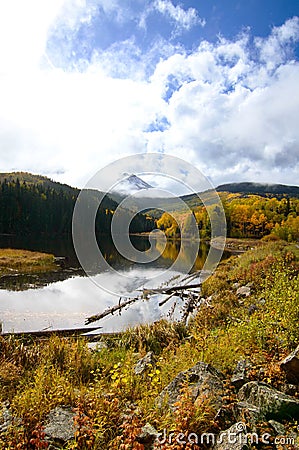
209 300
235 438
59 426
278 427
290 389
243 410
145 363
252 309
243 291
291 366
271 402
96 346
148 436
236 285
6 418
201 378
240 373
225 417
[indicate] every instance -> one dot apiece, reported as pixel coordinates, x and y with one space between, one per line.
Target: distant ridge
134 183
259 188
30 178
45 183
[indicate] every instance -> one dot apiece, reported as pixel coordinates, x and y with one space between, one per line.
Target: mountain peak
131 184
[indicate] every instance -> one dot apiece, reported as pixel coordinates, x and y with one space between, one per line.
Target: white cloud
221 107
72 121
23 32
275 49
233 115
184 19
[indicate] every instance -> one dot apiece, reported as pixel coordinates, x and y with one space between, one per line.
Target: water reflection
22 282
66 304
64 299
71 267
172 251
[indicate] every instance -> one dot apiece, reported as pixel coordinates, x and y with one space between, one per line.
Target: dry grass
25 261
112 402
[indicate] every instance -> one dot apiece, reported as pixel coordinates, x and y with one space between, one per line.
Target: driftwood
172 289
68 332
185 291
111 310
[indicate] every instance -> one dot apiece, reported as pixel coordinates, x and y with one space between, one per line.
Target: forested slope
34 204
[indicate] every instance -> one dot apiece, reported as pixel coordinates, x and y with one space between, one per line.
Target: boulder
96 346
6 418
239 376
243 410
59 425
291 366
272 403
148 436
243 291
225 417
201 379
235 437
252 309
290 389
145 363
278 427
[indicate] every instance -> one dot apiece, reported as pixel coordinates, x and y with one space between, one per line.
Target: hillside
242 190
35 204
260 189
31 204
40 180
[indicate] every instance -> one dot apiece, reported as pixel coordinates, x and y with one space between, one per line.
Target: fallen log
173 289
111 310
48 332
182 291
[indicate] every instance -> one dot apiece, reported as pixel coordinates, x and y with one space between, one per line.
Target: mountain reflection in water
64 299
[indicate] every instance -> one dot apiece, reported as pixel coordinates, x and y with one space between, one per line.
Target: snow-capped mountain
130 184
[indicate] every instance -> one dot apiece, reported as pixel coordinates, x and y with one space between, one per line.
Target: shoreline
19 261
157 373
231 244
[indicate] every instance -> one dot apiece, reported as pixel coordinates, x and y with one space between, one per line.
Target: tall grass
111 403
25 261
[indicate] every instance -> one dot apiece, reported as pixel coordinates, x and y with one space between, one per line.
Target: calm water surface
66 298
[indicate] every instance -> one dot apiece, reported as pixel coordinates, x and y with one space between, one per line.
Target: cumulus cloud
276 49
228 107
23 32
234 114
183 19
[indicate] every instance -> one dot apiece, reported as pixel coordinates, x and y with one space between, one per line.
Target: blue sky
181 24
83 83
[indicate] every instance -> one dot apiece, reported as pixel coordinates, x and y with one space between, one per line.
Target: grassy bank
112 403
25 261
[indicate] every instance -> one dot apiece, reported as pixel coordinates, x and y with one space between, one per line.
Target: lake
64 299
